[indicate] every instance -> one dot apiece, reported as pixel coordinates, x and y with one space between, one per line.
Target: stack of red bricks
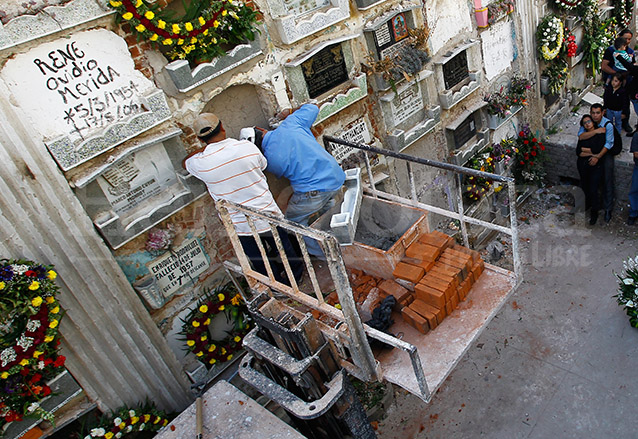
442 273
366 287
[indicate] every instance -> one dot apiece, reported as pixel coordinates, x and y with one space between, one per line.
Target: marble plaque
177 268
388 35
407 103
325 70
356 132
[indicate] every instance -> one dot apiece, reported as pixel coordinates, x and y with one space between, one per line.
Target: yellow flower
108 435
203 338
237 339
115 4
134 419
235 300
216 24
224 13
2 285
36 354
190 343
212 361
205 32
24 362
338 306
157 420
221 297
48 338
193 40
138 3
234 15
214 40
180 41
176 28
212 348
161 24
149 14
122 426
229 357
52 274
223 351
50 299
200 354
53 324
55 310
201 21
195 323
153 37
207 322
203 309
4 375
36 301
165 422
189 26
221 308
147 418
127 16
34 285
140 27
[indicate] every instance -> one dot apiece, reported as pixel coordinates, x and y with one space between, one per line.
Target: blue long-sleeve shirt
609 132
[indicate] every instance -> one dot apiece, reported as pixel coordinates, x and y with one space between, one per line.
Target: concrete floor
558 361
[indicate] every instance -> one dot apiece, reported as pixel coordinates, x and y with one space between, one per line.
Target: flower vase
494 121
545 85
148 288
481 18
499 167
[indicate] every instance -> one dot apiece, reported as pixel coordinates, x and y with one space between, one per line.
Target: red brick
473 253
454 301
465 287
460 257
391 288
405 301
436 283
444 274
426 265
423 308
415 320
436 239
423 252
432 297
449 308
429 316
408 272
456 265
478 268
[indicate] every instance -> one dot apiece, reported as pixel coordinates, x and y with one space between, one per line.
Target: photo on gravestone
406 103
299 7
140 184
389 34
325 70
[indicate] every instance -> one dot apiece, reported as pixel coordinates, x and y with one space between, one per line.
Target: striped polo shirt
233 170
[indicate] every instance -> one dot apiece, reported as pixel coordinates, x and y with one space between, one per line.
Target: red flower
35 378
59 362
542 148
531 163
47 361
526 156
534 139
534 147
30 273
534 153
526 142
24 371
12 416
46 390
522 162
521 134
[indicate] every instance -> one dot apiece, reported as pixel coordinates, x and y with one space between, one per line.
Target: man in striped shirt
233 170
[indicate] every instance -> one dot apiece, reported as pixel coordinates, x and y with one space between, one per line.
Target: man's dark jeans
608 182
254 255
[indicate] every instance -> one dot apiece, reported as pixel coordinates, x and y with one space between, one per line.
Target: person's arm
197 151
606 67
584 135
609 136
632 69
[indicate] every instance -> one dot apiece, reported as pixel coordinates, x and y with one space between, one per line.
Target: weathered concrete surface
558 361
229 414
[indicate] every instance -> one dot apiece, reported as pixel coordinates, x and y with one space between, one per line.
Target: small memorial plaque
299 7
176 268
390 33
406 104
356 132
140 183
325 70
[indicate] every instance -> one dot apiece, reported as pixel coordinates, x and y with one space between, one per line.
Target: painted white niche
297 19
458 73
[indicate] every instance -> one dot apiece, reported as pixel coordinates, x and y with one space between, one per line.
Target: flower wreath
195 326
128 421
549 34
567 4
213 23
623 10
29 318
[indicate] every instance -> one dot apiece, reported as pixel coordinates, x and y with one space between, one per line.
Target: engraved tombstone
82 95
325 70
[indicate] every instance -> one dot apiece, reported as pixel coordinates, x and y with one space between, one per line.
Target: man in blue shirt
604 126
293 152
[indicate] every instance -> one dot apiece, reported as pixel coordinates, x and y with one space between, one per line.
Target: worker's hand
284 113
593 160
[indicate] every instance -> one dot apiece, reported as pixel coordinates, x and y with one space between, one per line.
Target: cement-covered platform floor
558 361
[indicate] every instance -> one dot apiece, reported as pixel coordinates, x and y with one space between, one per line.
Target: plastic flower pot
481 17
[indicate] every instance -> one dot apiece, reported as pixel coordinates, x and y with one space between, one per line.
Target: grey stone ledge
342 100
293 28
51 20
449 99
462 155
400 139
